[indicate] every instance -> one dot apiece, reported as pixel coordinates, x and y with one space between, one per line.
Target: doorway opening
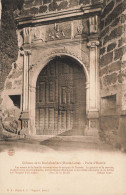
61 98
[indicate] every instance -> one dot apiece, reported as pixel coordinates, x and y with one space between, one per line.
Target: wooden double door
61 98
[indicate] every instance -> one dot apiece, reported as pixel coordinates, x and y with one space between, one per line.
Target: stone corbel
93 24
27 35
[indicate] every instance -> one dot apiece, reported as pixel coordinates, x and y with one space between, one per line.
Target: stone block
9 85
46 1
119 53
38 2
34 10
74 3
116 32
116 66
106 59
95 2
102 50
62 5
53 6
107 9
115 22
105 31
110 79
121 41
123 18
106 39
43 9
109 122
103 71
84 2
111 46
116 12
102 24
28 3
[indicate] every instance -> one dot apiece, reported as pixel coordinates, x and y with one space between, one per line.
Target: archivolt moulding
44 60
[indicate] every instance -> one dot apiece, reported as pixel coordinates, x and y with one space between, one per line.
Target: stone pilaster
25 95
93 109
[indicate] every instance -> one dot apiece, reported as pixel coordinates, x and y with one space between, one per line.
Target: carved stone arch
44 60
34 73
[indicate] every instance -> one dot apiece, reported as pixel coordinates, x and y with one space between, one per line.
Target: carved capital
93 43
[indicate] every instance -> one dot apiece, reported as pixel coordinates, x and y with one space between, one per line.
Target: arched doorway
61 98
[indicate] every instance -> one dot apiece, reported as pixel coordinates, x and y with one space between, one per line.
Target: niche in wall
16 100
108 105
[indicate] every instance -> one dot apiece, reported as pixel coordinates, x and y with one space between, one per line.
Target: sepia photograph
63 97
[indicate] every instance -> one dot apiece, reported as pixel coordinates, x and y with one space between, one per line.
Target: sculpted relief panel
57 31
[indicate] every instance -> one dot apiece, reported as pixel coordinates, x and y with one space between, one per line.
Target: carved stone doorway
61 98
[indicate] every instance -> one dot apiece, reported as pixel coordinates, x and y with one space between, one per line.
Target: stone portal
61 98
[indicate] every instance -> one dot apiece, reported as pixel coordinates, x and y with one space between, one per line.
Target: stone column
93 110
25 96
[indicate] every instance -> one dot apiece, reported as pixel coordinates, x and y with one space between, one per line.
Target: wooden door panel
60 99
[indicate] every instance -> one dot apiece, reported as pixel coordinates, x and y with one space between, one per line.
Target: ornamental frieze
53 32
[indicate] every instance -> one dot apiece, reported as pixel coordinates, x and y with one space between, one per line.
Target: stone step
85 139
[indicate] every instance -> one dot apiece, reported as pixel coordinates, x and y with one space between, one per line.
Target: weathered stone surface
85 1
115 22
105 31
109 122
110 79
46 1
102 50
119 53
116 32
115 66
95 2
34 10
102 24
123 18
43 9
116 12
9 85
106 39
15 74
62 5
38 2
111 46
53 6
121 41
107 9
106 59
74 3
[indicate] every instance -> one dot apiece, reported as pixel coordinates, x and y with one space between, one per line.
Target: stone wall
32 7
113 47
8 41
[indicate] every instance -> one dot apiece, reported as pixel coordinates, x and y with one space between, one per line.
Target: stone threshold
85 139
